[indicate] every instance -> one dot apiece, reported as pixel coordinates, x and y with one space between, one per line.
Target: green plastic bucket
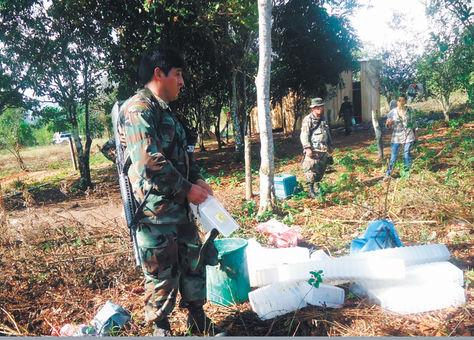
228 282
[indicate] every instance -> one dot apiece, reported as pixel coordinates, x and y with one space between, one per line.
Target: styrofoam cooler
325 295
259 257
418 298
440 272
411 255
282 298
213 215
341 268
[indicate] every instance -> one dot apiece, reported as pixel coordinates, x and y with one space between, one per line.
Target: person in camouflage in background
317 144
165 175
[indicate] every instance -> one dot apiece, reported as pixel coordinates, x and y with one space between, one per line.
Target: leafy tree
398 70
453 30
54 118
59 46
15 133
440 72
311 49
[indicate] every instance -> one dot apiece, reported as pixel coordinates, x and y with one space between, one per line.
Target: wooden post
378 134
73 154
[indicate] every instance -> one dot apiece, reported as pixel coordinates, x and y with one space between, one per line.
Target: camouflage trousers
315 166
169 253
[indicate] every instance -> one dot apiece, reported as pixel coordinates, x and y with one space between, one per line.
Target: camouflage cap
316 102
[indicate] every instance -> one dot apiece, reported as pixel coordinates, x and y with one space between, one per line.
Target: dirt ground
64 253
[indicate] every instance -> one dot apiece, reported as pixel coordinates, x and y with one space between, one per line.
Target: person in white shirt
400 119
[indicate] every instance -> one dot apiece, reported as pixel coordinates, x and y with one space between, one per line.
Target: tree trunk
446 105
87 150
83 162
15 151
378 134
267 166
248 167
247 146
217 127
235 117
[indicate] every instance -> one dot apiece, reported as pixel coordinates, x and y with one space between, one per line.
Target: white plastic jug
282 298
213 215
277 299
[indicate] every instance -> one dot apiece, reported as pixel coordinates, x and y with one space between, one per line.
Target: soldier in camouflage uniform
164 174
317 144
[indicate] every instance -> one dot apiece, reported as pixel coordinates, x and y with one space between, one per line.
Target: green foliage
42 135
450 179
373 148
249 209
310 48
316 278
265 216
347 161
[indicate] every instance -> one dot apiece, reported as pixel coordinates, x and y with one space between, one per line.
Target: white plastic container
282 298
325 295
411 255
439 272
259 258
213 215
277 299
416 298
341 269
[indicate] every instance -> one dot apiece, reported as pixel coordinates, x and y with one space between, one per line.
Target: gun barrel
129 203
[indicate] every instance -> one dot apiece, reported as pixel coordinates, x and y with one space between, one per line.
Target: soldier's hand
197 194
205 186
308 152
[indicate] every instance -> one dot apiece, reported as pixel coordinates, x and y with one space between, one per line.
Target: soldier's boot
199 324
162 327
311 192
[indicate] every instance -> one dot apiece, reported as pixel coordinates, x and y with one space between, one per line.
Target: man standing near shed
317 144
346 112
165 176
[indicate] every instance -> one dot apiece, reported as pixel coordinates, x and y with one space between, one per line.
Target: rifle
130 205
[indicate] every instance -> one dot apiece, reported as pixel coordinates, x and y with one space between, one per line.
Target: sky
373 23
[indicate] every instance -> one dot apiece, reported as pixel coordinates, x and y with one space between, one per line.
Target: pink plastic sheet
279 234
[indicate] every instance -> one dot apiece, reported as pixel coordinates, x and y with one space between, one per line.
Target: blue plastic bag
380 234
110 319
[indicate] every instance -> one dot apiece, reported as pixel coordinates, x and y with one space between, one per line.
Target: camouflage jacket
157 145
315 134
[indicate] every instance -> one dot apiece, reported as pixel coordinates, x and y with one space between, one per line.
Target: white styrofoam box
440 272
282 298
411 255
418 298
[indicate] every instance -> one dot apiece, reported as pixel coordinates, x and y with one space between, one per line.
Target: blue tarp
380 234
